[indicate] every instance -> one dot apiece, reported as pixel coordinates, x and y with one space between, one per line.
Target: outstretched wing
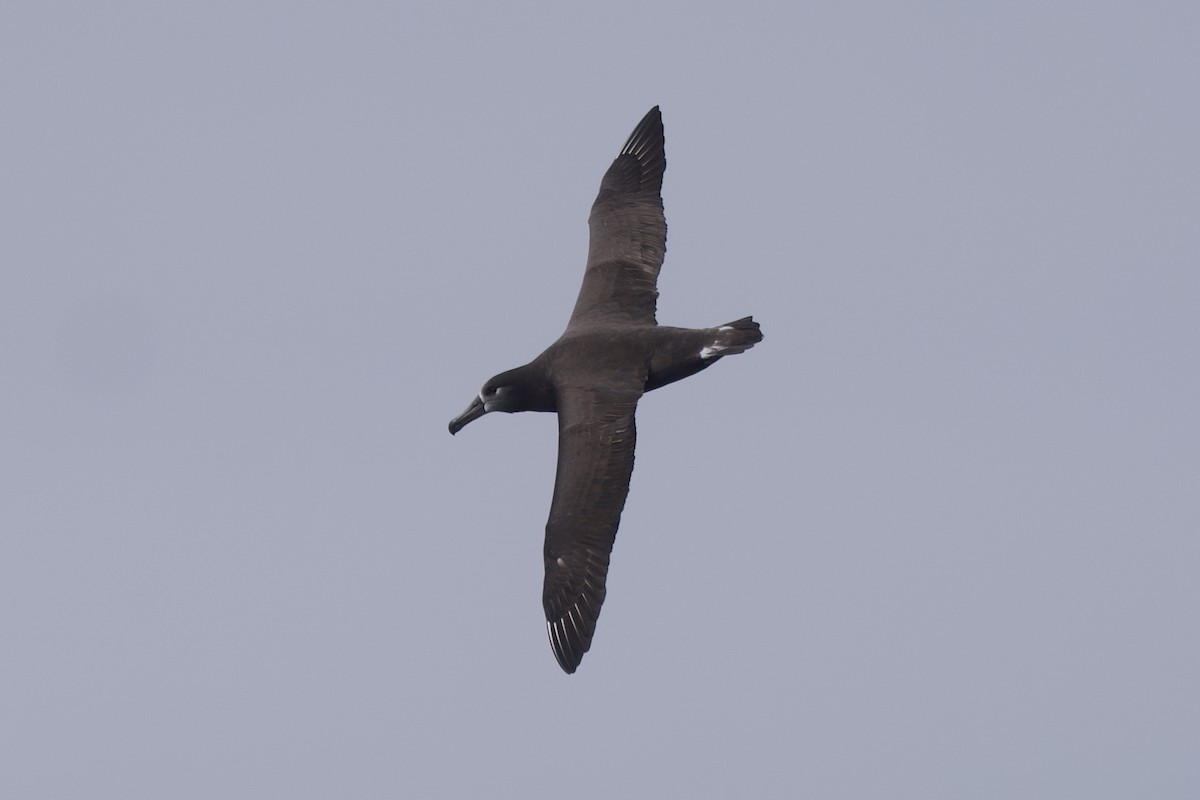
628 232
595 459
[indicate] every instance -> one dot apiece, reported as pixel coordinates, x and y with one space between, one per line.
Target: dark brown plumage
612 351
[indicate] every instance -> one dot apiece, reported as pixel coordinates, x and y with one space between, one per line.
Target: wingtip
647 145
565 654
648 132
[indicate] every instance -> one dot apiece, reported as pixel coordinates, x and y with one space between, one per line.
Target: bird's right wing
596 438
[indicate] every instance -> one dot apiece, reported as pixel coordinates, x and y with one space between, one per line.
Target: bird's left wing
628 233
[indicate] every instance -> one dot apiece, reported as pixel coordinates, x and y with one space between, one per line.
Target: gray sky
936 537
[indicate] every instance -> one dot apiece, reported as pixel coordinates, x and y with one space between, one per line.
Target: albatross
612 352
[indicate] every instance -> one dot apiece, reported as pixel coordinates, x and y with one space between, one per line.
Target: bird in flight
612 352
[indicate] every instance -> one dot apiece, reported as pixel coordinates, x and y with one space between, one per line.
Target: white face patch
562 563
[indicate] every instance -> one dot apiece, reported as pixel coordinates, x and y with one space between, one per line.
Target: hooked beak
473 412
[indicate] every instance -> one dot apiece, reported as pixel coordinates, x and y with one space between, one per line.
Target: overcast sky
937 536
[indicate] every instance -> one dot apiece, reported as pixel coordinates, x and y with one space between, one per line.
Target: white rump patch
716 349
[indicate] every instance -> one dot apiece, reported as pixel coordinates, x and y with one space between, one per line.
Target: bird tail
732 338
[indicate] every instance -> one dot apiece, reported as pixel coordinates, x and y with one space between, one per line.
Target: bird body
593 376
